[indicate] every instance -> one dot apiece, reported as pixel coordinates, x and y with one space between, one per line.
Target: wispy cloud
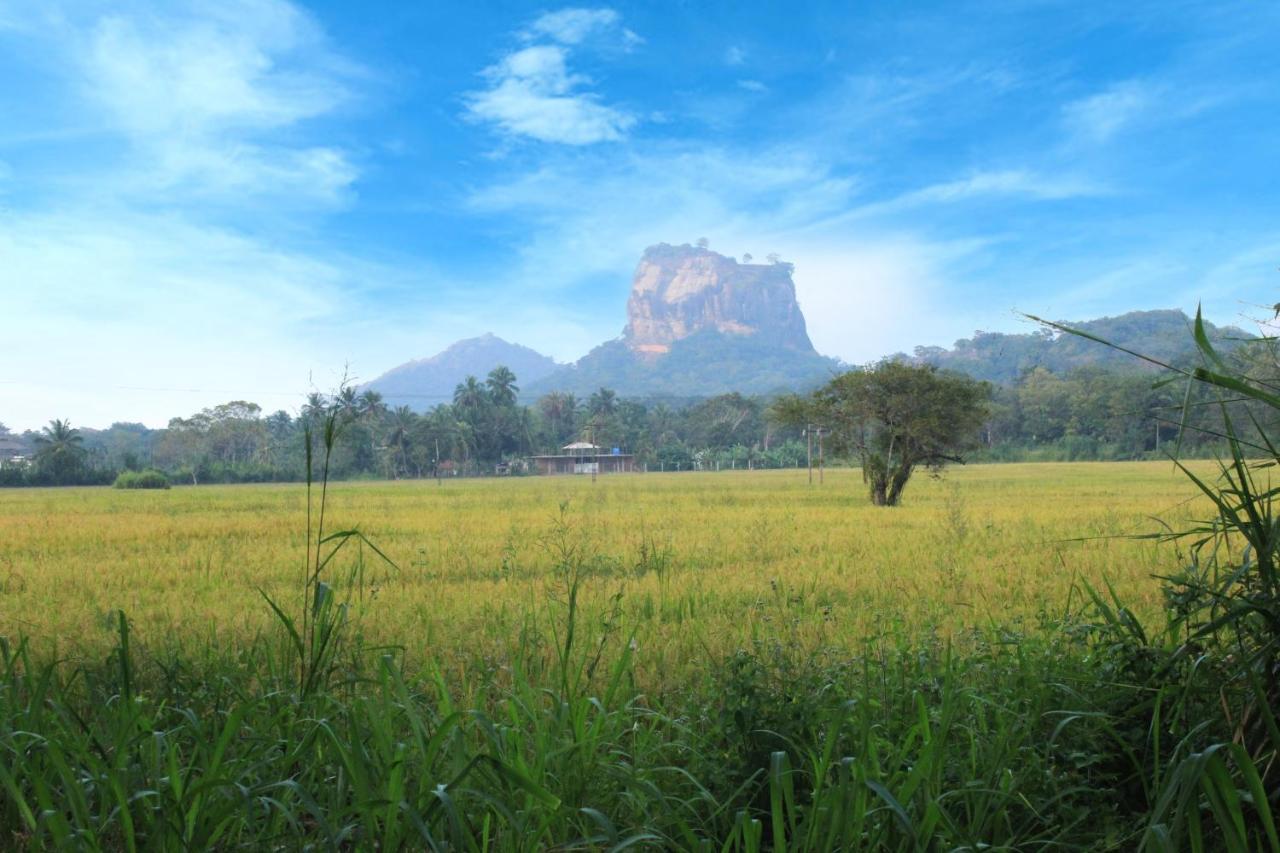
157 236
532 93
574 26
753 86
1099 117
734 55
201 97
1006 182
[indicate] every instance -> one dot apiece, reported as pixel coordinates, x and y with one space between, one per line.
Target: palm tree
347 402
559 408
315 407
469 394
502 387
399 438
603 403
60 450
370 404
662 422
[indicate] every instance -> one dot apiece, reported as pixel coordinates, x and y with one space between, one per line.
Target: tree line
1082 414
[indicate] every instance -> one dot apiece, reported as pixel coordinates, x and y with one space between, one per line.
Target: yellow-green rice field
703 562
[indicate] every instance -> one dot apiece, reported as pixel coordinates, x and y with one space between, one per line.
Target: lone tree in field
894 418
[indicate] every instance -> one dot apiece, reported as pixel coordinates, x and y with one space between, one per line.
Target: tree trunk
879 488
897 484
886 489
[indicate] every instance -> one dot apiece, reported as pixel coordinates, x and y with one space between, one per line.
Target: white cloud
1008 183
574 26
118 299
735 55
752 86
1014 182
201 93
1099 117
533 94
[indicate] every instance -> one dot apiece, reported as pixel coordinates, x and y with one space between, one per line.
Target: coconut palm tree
470 397
662 423
315 407
603 403
502 387
559 408
347 401
400 438
60 450
370 404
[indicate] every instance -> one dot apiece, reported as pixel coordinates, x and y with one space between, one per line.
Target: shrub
149 479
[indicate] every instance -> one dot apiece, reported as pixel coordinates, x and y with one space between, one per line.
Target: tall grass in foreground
902 748
1091 732
1208 679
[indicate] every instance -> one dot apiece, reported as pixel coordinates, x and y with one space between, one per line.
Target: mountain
1002 358
423 383
700 323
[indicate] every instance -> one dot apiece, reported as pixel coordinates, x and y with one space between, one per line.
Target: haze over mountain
425 382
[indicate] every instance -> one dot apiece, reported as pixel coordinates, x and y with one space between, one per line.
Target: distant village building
582 457
12 452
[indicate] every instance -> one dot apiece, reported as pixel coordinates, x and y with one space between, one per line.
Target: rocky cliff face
679 291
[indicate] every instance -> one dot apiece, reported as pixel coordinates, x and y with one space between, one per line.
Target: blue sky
241 199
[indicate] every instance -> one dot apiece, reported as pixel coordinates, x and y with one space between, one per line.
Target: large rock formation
679 291
699 324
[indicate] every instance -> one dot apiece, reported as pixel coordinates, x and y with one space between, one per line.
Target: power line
241 392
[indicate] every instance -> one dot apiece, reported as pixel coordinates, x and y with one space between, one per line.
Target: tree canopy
893 418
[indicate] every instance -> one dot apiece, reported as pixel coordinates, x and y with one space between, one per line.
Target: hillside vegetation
1005 358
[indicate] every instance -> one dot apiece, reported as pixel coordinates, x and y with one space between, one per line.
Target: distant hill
1002 358
700 323
423 383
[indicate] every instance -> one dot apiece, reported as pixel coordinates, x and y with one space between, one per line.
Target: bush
149 479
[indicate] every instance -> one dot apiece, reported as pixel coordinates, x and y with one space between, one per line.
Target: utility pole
821 458
808 435
437 462
595 459
810 431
